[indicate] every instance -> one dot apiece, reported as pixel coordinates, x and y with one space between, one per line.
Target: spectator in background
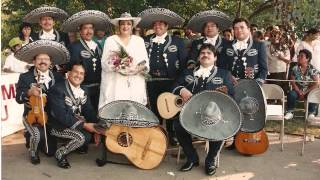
13 64
228 35
189 36
303 71
25 33
267 33
258 36
306 43
138 32
253 28
100 37
278 58
72 37
315 61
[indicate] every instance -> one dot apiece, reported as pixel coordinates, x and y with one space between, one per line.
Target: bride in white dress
124 84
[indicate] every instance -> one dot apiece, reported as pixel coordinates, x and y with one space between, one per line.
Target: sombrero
250 98
99 19
149 16
126 17
57 52
128 113
54 12
211 115
198 20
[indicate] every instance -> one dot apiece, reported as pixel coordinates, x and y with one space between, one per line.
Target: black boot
34 158
63 163
188 166
210 170
83 149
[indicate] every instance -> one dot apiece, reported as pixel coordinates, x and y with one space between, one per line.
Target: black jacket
63 108
26 80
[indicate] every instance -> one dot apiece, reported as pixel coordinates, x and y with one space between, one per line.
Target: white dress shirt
160 39
211 41
203 72
48 35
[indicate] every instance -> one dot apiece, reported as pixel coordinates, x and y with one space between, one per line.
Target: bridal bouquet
121 61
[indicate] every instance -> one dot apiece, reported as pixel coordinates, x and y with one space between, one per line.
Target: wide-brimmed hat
99 19
15 41
198 20
54 12
126 17
57 52
211 115
251 100
128 113
149 16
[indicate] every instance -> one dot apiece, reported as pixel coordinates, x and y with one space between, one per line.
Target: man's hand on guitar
185 94
90 127
96 139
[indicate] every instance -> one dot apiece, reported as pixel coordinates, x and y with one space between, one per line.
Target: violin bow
43 117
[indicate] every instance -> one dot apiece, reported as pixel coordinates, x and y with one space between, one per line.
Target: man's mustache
43 64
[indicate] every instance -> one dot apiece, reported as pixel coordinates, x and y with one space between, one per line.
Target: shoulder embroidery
229 52
172 48
85 54
252 52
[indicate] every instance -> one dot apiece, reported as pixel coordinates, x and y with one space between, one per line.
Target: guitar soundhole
122 139
179 102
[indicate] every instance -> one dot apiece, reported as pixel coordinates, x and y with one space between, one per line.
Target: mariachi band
112 91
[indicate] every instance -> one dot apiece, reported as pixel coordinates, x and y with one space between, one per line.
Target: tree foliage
304 13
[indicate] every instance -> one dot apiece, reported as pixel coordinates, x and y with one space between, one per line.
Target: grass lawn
294 126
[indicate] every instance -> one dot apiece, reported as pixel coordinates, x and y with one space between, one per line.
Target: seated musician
71 115
38 78
205 77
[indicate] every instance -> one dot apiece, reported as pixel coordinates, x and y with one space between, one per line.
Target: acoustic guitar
251 143
144 147
169 105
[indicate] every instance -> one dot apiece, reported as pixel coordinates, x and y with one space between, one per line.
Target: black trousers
94 93
155 88
35 138
185 141
77 138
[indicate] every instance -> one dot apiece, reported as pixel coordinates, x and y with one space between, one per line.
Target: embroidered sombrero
149 16
99 19
57 52
251 100
128 113
54 12
211 115
198 20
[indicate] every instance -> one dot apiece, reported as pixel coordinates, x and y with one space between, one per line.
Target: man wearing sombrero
46 17
212 119
85 49
166 53
42 54
208 23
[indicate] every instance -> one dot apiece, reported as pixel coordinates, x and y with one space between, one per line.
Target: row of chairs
276 111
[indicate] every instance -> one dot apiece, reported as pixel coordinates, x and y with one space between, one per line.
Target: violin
37 113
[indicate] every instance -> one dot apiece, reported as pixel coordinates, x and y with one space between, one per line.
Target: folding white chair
275 111
313 97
